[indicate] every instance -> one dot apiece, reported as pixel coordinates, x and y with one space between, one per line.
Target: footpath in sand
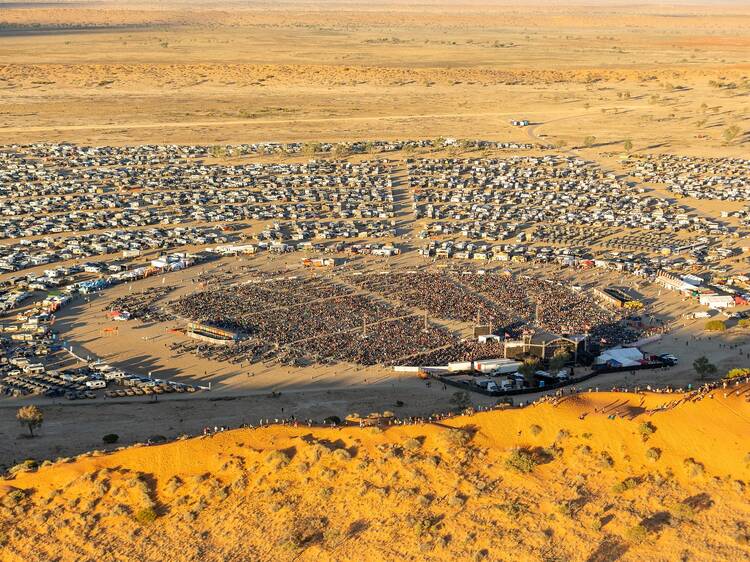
590 477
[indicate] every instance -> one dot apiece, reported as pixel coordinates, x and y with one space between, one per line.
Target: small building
211 334
717 301
612 296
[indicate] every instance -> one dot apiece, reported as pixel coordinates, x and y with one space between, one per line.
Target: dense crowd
380 319
141 305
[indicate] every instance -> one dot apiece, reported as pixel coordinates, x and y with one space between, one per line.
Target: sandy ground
595 477
105 73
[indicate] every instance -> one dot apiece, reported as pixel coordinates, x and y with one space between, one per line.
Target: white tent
626 357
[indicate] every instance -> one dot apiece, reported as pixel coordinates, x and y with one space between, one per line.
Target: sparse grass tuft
342 455
653 454
535 429
625 485
277 459
412 444
693 468
637 533
646 430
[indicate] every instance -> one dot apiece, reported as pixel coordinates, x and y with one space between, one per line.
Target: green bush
637 533
744 323
738 373
715 326
145 516
646 429
521 461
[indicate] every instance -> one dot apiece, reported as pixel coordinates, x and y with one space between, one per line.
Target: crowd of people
380 318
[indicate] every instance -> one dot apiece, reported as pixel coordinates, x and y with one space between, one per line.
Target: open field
103 73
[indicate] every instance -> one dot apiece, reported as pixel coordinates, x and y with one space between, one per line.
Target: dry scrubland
104 73
532 484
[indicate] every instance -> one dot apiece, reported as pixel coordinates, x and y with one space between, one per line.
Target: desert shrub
342 454
102 486
584 450
683 512
119 509
625 485
521 461
316 451
742 538
646 430
606 460
553 451
535 429
512 508
637 533
29 465
173 484
586 435
653 454
412 444
743 323
456 500
715 326
456 438
145 516
693 468
14 497
110 438
277 459
562 434
738 373
566 508
222 493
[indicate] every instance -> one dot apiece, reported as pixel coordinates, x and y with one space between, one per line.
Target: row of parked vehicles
160 388
22 377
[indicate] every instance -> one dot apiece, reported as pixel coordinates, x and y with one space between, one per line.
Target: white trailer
491 365
459 366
